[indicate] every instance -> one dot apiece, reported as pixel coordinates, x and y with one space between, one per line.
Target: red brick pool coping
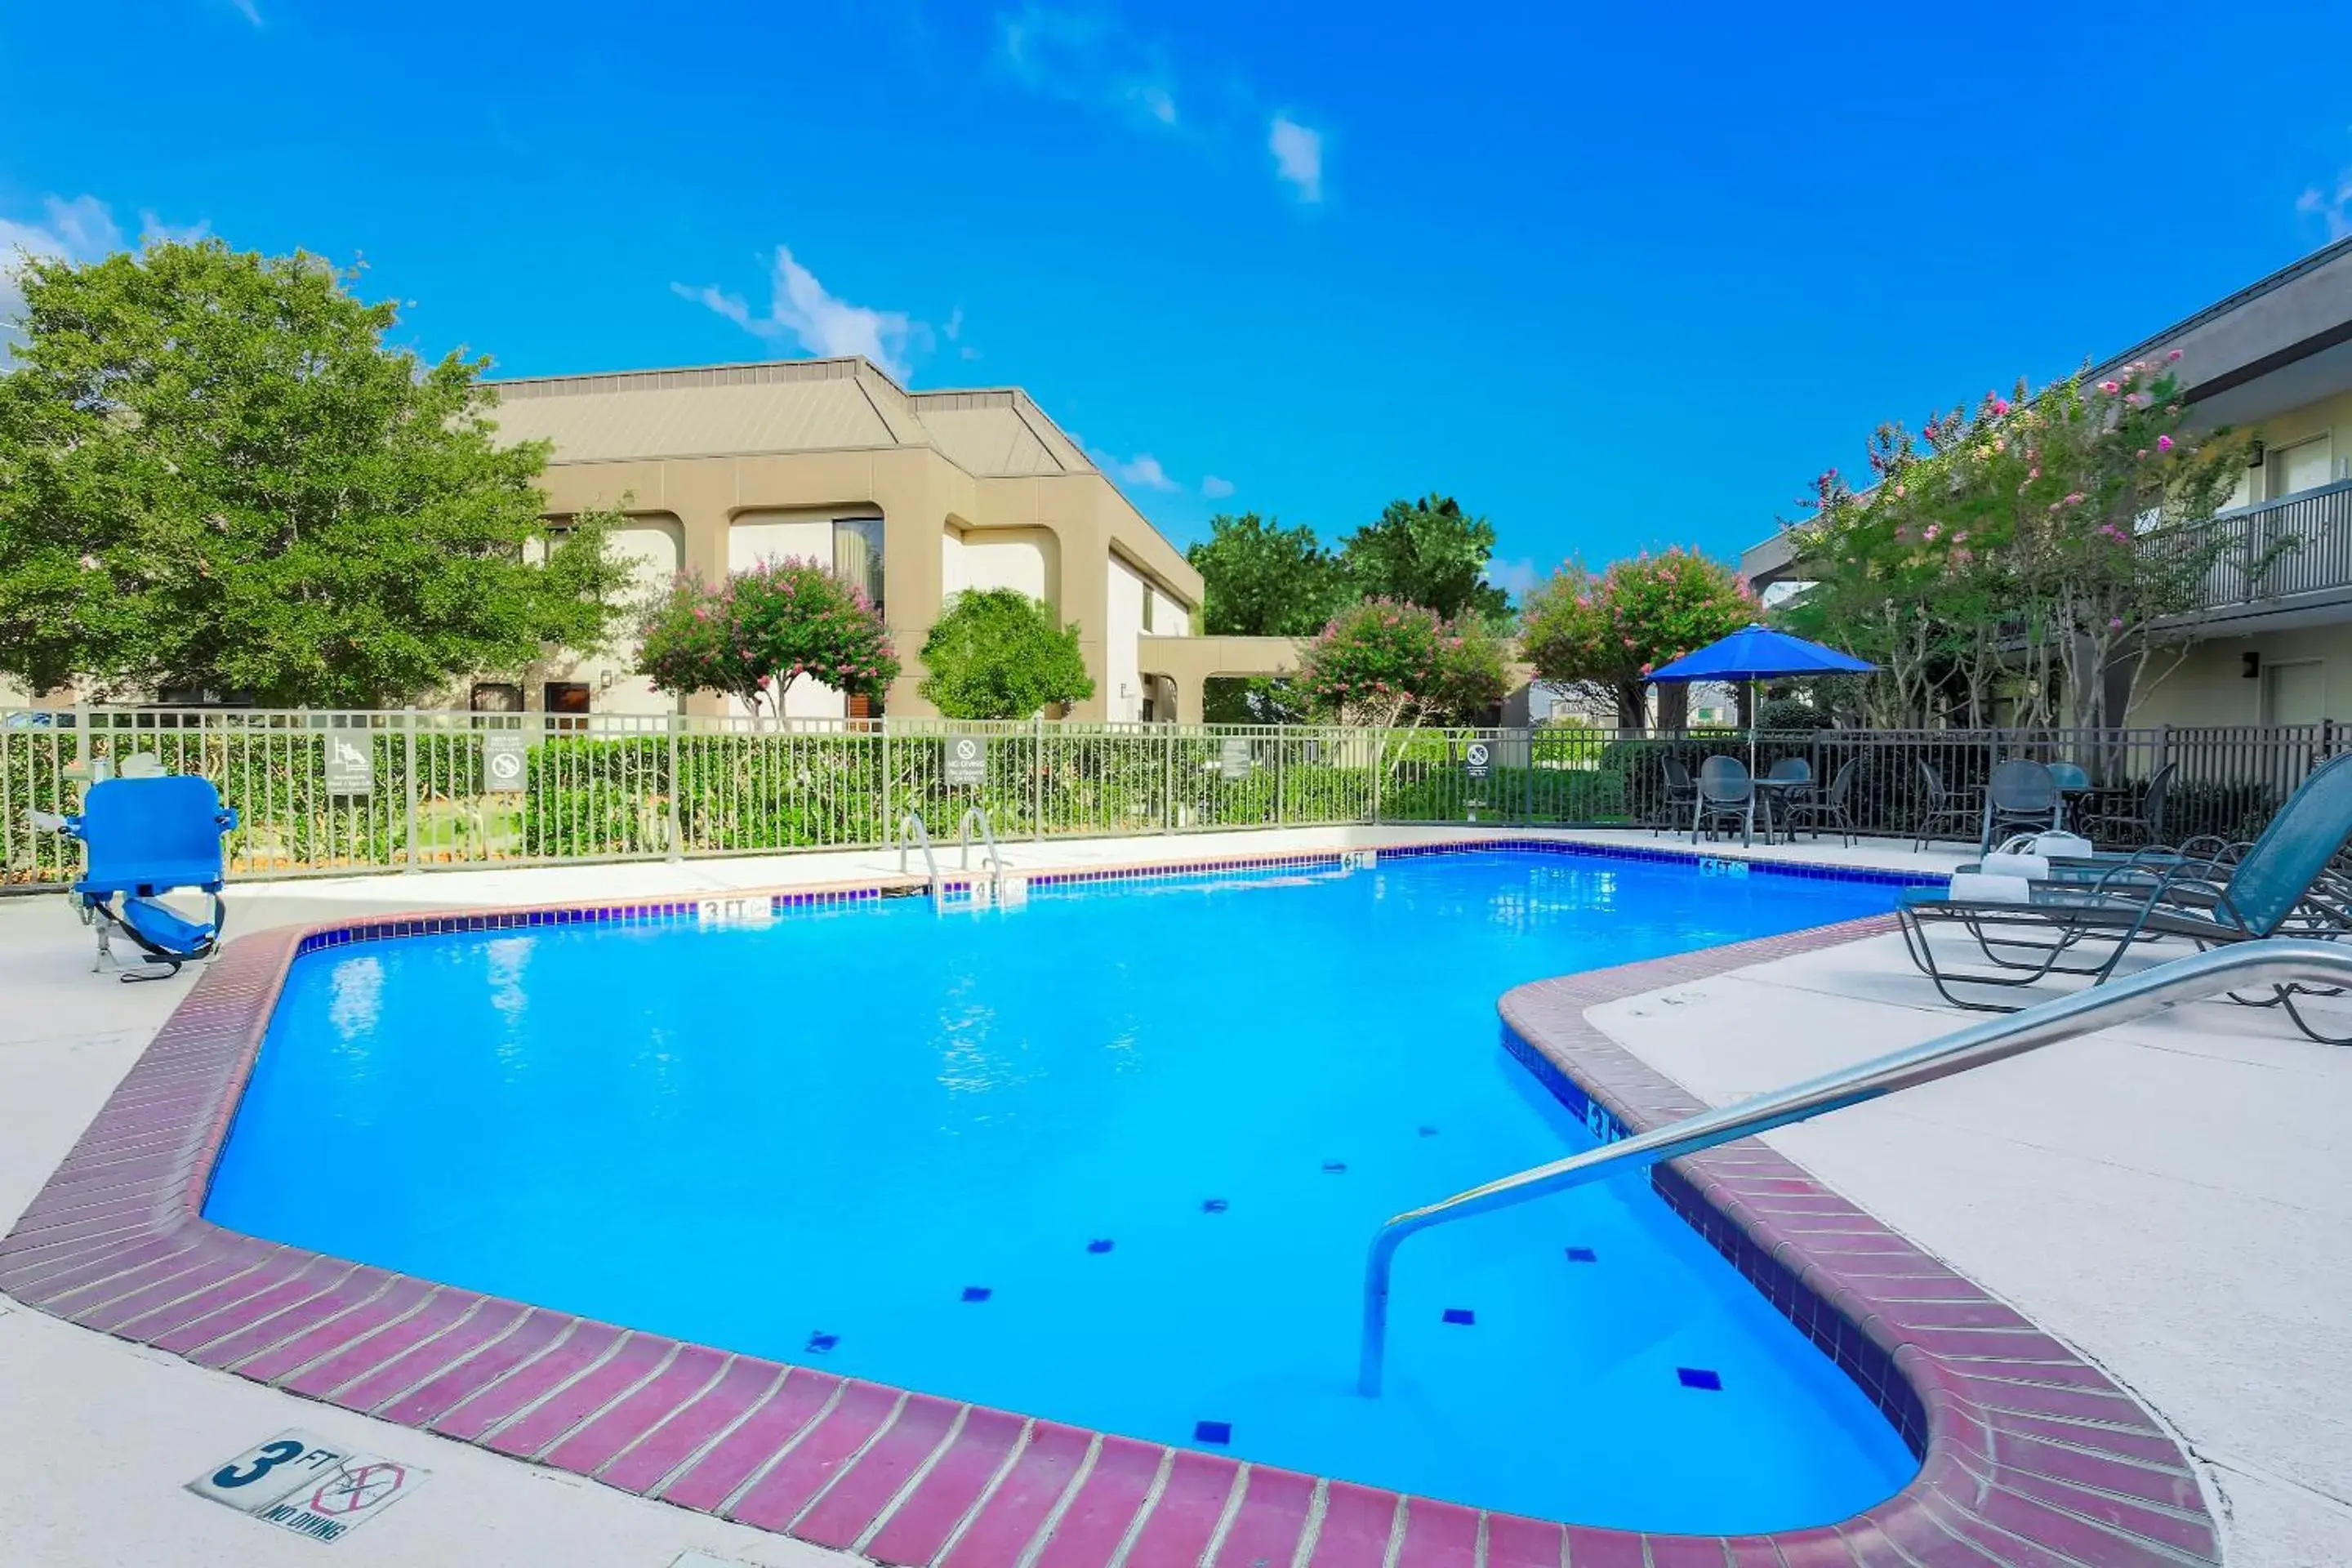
2030 1456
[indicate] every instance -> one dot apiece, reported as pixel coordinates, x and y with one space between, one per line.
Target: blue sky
1615 277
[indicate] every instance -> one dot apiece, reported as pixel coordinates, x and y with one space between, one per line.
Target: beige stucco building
919 495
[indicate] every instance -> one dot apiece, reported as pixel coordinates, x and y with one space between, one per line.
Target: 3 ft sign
299 1481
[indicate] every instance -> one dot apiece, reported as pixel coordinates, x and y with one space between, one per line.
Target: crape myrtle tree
1381 663
215 474
2024 551
761 630
996 653
1601 634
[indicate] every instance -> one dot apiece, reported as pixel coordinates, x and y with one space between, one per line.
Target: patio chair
1682 796
144 837
1813 809
2286 883
1942 805
1725 789
2141 819
2020 794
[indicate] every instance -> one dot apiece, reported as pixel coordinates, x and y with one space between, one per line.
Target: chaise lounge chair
145 837
2285 884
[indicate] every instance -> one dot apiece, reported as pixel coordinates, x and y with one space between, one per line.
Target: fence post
889 828
1281 805
1037 780
408 779
1380 761
1168 779
676 818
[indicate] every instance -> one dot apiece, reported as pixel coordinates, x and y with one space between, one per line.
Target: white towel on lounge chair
2051 845
1982 888
2032 868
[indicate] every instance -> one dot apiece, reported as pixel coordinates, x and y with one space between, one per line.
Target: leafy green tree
996 653
765 628
1380 662
1265 580
1428 553
1603 633
215 474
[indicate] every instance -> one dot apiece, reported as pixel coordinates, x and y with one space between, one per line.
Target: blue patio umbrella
1759 653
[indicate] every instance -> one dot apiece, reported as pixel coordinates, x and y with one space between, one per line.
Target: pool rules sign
300 1481
967 760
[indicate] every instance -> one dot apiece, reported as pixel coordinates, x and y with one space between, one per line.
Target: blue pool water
1112 1158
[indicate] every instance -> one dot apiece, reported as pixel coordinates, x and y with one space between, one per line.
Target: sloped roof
788 406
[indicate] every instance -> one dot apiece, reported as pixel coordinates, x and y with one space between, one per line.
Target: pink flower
2073 497
2164 443
2001 405
2142 452
89 563
1934 529
2174 356
2114 623
2110 388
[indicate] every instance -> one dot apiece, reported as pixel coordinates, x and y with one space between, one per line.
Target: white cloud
802 312
82 229
1214 488
954 328
1143 471
1087 56
1298 157
1517 578
2333 209
249 10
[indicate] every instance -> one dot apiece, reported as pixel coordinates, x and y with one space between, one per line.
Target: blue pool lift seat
144 837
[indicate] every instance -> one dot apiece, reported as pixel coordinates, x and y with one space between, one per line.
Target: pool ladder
2275 961
910 833
991 860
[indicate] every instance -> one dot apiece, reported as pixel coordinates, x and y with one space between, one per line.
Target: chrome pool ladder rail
991 860
911 831
2272 961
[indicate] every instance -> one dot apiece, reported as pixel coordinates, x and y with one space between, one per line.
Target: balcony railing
2301 544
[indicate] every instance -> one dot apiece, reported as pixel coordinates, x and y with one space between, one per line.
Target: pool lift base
2280 962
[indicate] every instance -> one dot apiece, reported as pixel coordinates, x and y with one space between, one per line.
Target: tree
764 629
997 653
215 474
1265 580
1379 662
1426 553
2027 550
1604 633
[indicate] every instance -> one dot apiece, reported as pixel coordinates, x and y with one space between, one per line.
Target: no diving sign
1478 761
299 1481
967 760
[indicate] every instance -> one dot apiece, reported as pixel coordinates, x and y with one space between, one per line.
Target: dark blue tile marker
820 1343
1583 1254
1429 1133
1699 1377
1334 1167
1212 1205
1098 1245
1462 1315
1219 1432
975 1292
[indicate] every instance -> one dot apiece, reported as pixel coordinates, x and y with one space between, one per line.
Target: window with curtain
857 553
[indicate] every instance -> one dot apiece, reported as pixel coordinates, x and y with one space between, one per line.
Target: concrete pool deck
2242 1345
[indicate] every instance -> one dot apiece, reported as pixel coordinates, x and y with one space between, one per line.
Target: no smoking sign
299 1481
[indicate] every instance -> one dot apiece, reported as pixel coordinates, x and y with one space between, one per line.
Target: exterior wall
1025 559
653 546
1121 691
2210 686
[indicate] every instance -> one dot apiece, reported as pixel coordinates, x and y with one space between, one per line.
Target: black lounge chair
2286 883
1813 809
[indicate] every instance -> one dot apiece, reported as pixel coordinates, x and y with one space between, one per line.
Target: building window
1147 596
857 554
496 697
2305 466
567 704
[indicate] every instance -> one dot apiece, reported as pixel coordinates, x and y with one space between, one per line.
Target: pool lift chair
143 837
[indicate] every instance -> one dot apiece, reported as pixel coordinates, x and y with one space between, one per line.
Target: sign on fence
967 760
505 754
1233 757
351 762
1478 761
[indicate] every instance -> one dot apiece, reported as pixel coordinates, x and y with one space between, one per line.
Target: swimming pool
1111 1158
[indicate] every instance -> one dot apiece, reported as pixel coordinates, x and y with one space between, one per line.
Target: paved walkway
2160 1196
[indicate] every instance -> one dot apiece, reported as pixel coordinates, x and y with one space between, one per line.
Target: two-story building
2275 359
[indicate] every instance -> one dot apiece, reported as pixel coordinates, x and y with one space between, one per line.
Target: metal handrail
2275 961
920 836
992 860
